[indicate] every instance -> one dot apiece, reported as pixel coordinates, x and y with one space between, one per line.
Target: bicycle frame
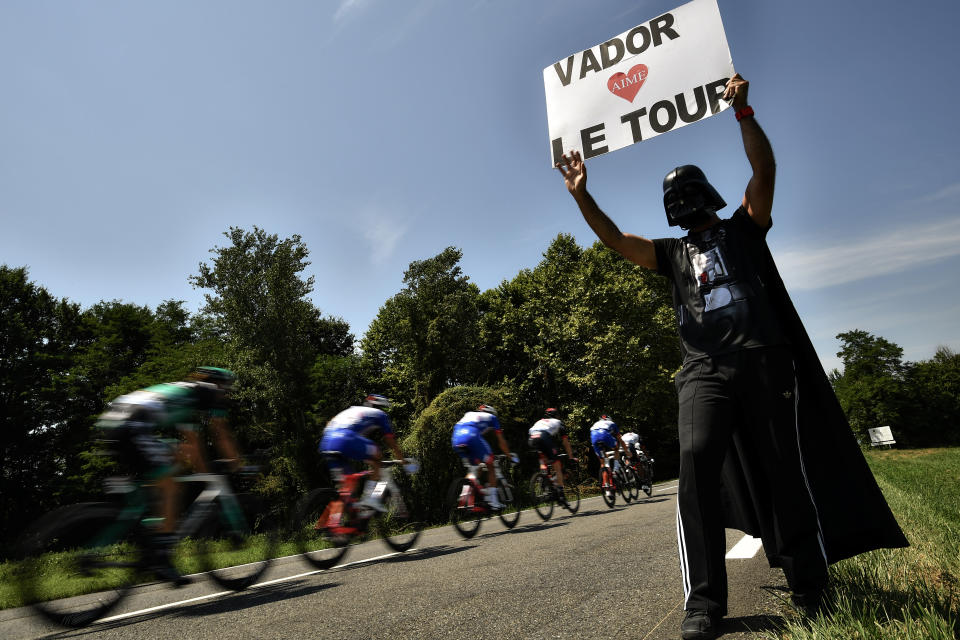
546 468
218 487
612 460
135 506
473 471
347 488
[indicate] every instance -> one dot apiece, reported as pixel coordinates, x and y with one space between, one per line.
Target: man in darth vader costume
764 445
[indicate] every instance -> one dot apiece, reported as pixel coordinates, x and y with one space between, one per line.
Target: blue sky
132 134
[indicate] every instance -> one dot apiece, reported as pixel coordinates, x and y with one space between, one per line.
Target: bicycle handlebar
392 463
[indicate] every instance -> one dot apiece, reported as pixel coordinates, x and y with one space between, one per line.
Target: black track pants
753 393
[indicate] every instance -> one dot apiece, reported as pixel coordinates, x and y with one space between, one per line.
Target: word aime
612 51
660 117
626 85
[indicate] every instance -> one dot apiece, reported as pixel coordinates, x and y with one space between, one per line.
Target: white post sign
658 76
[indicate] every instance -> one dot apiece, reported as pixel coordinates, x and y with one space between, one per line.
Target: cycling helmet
223 378
487 408
604 417
551 413
377 401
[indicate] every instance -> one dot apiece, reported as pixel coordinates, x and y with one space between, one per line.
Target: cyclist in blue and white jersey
347 435
605 434
543 436
470 445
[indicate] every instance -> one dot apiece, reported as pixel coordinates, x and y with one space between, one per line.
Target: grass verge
901 594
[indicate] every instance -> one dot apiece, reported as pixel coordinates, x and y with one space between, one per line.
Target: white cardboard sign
656 77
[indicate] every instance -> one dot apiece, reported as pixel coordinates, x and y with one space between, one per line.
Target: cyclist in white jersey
543 436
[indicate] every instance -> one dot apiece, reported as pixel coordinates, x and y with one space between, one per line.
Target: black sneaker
810 603
160 563
168 573
698 625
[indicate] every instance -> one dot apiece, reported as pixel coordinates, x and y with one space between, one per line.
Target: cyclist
635 443
470 445
347 434
605 434
542 436
137 424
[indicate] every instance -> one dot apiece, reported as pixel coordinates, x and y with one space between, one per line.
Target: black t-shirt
718 280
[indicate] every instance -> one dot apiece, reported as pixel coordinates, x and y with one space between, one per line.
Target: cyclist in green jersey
138 423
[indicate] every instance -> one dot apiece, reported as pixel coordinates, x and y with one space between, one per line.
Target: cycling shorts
470 445
141 449
601 441
543 442
349 445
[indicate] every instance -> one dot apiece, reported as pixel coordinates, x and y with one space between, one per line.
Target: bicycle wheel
607 493
396 526
308 529
83 549
242 545
572 493
620 480
511 507
633 482
648 487
541 495
466 507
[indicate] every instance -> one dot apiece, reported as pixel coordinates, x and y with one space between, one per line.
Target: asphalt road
603 573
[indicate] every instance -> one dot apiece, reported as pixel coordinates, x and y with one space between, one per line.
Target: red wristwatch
746 112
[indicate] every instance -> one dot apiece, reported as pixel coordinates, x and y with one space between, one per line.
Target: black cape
853 514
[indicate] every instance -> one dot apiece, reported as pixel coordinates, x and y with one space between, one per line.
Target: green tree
589 333
871 388
37 334
260 307
934 389
423 340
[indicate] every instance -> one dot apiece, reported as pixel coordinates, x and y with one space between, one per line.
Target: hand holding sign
736 92
574 173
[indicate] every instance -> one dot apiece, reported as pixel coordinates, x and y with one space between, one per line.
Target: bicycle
327 521
613 480
103 547
643 467
545 492
632 479
468 506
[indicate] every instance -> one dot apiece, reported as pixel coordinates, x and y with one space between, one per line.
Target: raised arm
634 248
758 197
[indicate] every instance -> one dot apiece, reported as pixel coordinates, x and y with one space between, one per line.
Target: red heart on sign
626 85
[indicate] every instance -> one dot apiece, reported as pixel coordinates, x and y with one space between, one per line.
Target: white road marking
220 594
747 547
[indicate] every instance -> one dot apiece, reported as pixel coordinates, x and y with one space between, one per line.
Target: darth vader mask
688 199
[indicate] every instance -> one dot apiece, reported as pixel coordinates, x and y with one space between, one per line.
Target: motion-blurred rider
470 445
347 435
138 423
